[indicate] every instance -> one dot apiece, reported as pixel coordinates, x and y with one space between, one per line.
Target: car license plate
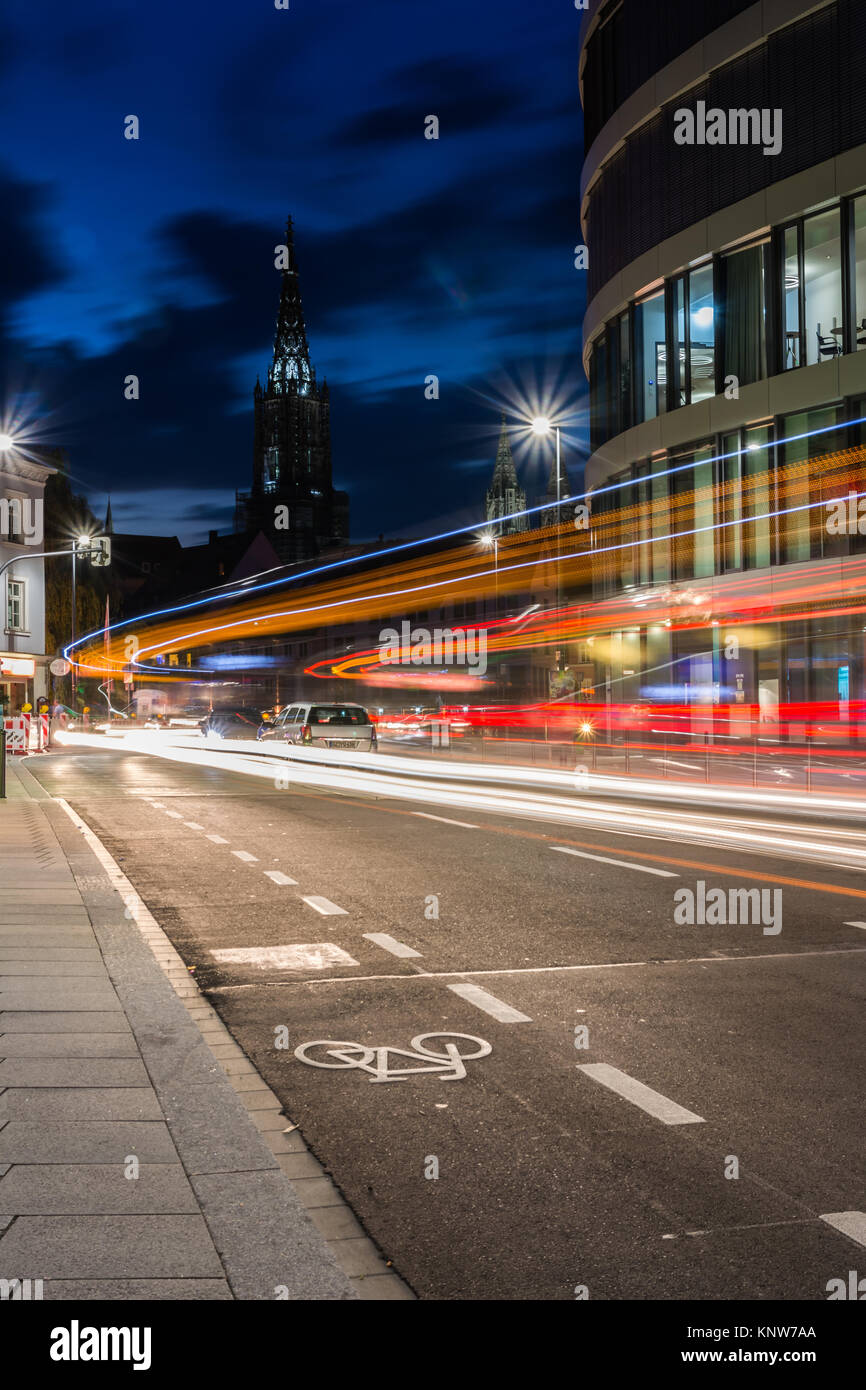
342 743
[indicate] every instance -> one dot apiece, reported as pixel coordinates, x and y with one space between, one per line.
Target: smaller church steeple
505 496
109 525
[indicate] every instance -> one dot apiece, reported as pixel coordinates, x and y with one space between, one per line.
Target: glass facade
748 499
650 355
715 321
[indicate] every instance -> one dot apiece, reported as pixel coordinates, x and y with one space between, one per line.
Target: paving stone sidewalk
135 1161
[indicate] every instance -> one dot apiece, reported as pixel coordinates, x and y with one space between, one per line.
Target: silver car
323 726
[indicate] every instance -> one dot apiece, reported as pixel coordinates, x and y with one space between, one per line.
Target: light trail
510 791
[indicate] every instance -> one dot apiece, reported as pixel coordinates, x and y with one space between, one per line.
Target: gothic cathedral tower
293 499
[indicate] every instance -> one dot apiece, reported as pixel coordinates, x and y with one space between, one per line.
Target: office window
811 433
692 514
694 367
679 368
625 414
757 496
15 608
745 314
731 510
661 519
649 367
702 364
791 298
822 272
858 212
599 424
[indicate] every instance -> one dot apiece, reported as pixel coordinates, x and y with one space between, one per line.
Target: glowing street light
7 442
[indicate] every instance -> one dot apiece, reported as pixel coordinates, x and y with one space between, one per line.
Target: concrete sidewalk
141 1155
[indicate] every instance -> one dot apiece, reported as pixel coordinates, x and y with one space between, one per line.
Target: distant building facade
23 659
292 499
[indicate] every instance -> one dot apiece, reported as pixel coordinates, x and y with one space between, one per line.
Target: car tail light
306 734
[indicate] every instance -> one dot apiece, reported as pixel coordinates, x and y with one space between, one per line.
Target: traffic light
100 550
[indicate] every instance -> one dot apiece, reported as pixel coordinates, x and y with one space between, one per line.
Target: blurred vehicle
425 726
189 717
322 726
232 721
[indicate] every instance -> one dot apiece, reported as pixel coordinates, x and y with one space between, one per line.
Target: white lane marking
325 906
861 925
277 876
388 943
216 839
850 1223
193 825
620 863
175 815
601 965
444 819
474 994
640 1095
160 805
315 956
245 856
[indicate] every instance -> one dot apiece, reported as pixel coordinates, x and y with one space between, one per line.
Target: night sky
155 257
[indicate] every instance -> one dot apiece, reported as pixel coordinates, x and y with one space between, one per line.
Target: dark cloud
27 263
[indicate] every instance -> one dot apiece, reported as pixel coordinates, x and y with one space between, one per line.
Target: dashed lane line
216 839
474 994
193 825
388 943
620 863
644 1097
861 925
175 815
245 856
425 815
277 876
325 906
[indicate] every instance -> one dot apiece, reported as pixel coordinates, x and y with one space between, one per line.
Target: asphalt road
548 1179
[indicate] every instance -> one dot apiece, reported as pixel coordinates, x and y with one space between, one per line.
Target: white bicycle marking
447 1065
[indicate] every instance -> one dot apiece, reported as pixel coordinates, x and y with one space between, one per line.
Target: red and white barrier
17 727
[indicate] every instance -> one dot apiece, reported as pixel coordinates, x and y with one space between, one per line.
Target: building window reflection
745 314
859 221
650 366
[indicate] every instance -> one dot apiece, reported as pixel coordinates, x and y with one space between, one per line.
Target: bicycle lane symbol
448 1065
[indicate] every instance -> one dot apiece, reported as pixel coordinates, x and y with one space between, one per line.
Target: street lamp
541 425
7 442
81 542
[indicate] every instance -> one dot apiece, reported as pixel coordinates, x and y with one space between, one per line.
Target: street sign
60 666
100 551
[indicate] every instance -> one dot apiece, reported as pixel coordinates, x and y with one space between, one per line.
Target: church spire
504 472
505 496
291 367
109 525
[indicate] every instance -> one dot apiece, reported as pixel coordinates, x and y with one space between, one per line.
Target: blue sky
155 257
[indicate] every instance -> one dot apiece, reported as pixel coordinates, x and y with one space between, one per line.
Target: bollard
2 764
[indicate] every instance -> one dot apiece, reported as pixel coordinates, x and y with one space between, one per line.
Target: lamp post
490 540
542 426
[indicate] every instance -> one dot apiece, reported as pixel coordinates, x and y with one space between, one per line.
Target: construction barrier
17 727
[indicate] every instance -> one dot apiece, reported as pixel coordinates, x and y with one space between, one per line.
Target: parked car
232 721
322 726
